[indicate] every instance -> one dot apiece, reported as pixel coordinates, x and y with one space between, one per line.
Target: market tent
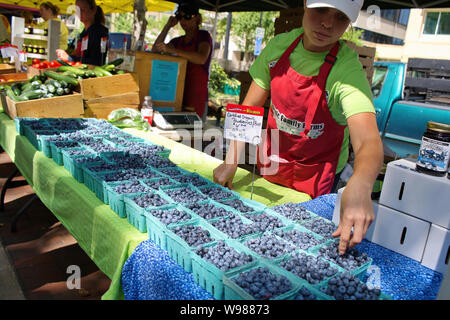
108 6
277 5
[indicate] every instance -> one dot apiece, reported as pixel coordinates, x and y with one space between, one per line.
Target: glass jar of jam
434 153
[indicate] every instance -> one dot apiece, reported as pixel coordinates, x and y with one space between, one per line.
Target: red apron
196 83
306 155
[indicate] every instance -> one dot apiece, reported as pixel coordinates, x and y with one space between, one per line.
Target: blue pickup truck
406 97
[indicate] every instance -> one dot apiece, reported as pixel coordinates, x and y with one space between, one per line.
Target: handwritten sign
244 123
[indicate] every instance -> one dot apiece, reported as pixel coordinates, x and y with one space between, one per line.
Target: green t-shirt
349 92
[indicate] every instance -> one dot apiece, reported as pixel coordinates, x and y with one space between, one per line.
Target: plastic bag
128 118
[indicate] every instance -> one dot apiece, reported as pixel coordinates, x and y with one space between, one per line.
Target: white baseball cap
350 7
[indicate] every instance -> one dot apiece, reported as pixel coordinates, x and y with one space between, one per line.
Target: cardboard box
417 194
437 250
400 232
337 214
163 78
69 106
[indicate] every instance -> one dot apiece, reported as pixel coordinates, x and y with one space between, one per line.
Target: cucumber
67 91
62 63
10 93
109 67
117 62
74 70
51 88
59 91
32 94
102 71
91 73
61 77
63 84
16 89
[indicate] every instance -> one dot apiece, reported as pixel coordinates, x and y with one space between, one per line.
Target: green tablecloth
107 239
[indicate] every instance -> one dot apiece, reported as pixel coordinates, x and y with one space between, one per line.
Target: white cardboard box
337 216
417 194
400 232
437 249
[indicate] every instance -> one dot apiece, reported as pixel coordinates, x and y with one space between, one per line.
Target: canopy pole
140 25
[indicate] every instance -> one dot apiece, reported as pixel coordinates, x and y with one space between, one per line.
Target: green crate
312 215
304 230
234 292
253 206
156 229
319 294
57 151
260 235
75 167
383 296
33 135
116 200
21 122
300 279
149 182
172 171
209 277
244 221
203 181
179 250
94 182
359 272
68 162
166 190
219 194
284 221
216 204
136 214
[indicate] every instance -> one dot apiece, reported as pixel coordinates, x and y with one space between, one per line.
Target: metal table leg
5 186
20 212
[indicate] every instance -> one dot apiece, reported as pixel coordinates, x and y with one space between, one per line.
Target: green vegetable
61 77
103 71
74 70
16 89
62 62
32 94
116 62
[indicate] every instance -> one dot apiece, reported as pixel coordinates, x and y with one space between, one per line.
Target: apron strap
330 60
290 49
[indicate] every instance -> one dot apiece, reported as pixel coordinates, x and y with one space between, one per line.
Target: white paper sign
243 123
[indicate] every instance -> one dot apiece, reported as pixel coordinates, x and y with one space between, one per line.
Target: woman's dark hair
50 6
99 15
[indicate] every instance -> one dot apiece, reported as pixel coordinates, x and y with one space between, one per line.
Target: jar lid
441 127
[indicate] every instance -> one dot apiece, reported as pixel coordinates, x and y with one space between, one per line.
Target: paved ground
34 260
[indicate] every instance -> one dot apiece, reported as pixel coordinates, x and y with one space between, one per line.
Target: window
437 23
378 77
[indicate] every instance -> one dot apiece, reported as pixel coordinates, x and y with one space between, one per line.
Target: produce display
61 80
269 253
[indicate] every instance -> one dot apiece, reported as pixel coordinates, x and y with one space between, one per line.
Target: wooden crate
93 88
102 110
11 78
69 106
6 68
289 19
366 57
143 67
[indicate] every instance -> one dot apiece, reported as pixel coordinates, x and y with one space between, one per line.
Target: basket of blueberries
211 261
159 219
183 238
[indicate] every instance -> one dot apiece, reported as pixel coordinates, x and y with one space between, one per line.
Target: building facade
407 33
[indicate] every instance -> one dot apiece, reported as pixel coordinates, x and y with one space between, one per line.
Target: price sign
244 123
258 40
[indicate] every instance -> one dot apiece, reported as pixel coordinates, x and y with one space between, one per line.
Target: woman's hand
172 22
61 54
162 47
224 174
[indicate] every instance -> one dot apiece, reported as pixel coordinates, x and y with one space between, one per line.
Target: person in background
320 98
50 12
196 47
6 25
92 44
28 16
